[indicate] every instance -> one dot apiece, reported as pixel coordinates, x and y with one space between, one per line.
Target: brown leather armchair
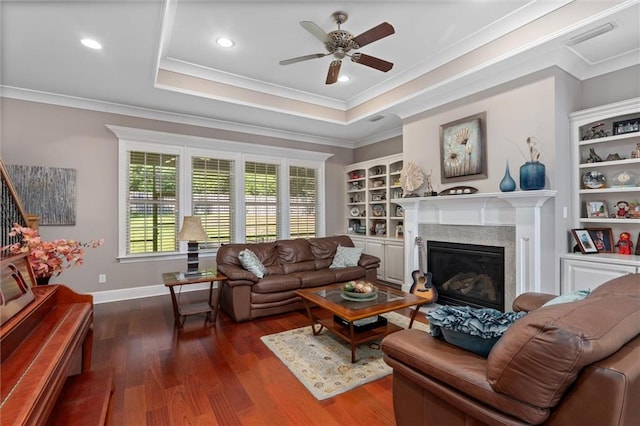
573 363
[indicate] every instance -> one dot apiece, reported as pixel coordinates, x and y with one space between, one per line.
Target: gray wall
609 88
381 149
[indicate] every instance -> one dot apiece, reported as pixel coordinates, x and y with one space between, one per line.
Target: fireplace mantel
527 211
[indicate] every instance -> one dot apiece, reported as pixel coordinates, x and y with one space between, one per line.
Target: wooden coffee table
329 298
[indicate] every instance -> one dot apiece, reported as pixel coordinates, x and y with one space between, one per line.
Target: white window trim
186 146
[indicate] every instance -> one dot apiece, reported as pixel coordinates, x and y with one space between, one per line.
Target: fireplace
467 274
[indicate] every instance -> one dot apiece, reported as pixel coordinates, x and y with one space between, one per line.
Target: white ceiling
159 58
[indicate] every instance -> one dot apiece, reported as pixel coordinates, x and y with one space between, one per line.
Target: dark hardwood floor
220 375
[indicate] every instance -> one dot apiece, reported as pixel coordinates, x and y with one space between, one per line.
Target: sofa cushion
276 283
251 263
325 247
346 256
541 354
316 278
294 251
349 273
228 254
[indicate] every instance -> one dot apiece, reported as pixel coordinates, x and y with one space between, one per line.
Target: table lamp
192 232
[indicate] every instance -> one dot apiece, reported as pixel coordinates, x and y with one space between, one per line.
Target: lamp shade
192 230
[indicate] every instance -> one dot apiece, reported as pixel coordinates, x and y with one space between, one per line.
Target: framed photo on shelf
603 239
597 209
463 148
626 126
584 240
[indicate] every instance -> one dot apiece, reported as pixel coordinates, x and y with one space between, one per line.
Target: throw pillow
251 263
569 297
346 256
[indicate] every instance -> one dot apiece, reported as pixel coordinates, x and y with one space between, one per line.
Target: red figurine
624 244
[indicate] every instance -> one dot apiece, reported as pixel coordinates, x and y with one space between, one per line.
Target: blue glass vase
507 184
532 176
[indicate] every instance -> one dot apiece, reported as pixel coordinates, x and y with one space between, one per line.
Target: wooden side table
180 312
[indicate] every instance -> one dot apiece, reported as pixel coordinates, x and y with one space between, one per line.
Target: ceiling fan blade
302 58
334 71
371 61
315 30
376 33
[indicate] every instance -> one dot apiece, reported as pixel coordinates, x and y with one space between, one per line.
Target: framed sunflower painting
463 149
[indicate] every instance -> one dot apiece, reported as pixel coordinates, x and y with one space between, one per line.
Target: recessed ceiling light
224 42
91 43
343 78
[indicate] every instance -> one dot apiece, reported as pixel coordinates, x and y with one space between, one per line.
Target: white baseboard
141 292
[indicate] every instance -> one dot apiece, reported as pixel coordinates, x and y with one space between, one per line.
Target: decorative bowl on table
357 291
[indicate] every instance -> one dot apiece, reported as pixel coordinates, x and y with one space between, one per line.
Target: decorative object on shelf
399 230
634 209
463 149
459 190
379 228
48 258
594 180
624 179
400 211
595 132
355 175
636 153
354 211
622 210
593 157
378 210
411 178
597 209
378 197
624 244
626 126
613 157
584 240
377 183
429 192
355 186
192 232
507 184
532 173
602 238
638 245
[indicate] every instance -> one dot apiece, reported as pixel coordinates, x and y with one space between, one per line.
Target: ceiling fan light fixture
225 42
343 78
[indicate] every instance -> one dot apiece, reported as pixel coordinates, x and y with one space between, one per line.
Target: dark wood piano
44 340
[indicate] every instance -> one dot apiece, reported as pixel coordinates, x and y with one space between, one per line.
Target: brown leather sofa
290 266
567 364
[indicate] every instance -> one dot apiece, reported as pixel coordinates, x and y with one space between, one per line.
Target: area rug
322 363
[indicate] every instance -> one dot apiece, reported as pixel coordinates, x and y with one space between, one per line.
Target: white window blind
152 206
303 202
211 198
261 202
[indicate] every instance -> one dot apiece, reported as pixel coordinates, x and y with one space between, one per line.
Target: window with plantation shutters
303 202
242 192
152 202
261 202
211 198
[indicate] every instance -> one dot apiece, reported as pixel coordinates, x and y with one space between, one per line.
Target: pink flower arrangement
48 257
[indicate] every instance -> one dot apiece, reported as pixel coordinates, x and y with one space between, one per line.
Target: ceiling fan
339 43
